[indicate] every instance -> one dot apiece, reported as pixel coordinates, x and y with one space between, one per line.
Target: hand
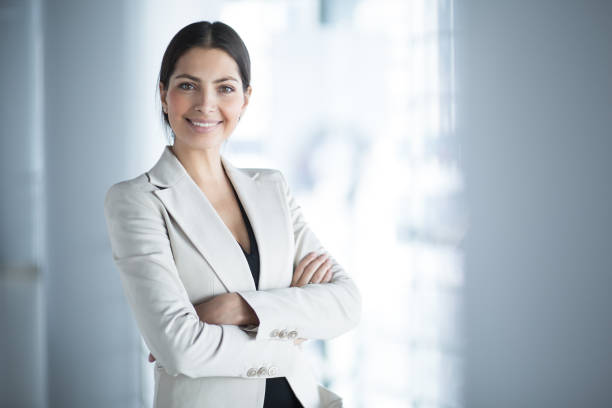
312 268
228 308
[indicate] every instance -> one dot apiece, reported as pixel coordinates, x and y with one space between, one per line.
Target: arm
316 311
227 309
166 318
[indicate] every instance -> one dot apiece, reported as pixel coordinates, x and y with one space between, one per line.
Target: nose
206 101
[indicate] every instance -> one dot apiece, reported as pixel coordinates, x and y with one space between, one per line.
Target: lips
204 126
203 123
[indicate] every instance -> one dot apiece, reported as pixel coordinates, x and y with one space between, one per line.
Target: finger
311 269
299 269
321 271
298 341
301 265
151 358
308 269
328 277
304 263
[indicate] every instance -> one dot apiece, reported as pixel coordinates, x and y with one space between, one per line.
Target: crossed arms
232 309
207 339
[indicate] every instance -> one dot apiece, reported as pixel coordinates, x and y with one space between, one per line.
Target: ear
247 97
162 96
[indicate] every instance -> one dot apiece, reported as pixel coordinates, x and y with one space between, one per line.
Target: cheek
176 102
232 108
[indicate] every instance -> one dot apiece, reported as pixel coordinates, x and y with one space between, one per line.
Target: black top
278 391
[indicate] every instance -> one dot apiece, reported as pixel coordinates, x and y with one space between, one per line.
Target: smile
203 126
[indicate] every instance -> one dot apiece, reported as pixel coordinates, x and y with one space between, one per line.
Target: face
204 98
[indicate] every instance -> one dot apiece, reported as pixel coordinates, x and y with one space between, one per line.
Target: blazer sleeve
167 320
314 311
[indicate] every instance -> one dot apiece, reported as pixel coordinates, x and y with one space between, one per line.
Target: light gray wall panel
22 377
535 115
93 347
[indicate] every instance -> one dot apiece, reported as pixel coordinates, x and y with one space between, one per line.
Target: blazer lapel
262 202
192 211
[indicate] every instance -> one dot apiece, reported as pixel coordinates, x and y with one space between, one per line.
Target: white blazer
173 251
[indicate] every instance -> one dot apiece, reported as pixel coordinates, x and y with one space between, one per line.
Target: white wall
535 116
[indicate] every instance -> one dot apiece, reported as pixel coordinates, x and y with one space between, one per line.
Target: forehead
206 63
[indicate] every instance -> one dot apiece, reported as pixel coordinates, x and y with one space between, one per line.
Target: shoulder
265 175
268 176
137 192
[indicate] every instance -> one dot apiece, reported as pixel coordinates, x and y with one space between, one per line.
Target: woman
223 275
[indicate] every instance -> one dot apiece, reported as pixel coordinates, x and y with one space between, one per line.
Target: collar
168 170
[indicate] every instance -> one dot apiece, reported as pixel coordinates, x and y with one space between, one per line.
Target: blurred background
453 155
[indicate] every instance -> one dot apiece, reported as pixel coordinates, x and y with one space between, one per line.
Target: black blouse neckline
253 256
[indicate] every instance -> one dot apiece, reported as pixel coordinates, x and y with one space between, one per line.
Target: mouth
204 126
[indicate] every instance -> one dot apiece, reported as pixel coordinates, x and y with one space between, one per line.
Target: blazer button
272 371
274 333
292 334
252 372
282 334
262 372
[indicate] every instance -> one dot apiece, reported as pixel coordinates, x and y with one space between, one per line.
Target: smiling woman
223 274
203 99
204 83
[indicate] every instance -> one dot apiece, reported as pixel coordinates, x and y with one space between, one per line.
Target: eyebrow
216 81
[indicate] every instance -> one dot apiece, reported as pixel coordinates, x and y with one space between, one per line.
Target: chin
201 142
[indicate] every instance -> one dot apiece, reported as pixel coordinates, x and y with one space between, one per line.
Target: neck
204 166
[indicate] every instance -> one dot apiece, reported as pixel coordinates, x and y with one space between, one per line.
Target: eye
226 89
187 86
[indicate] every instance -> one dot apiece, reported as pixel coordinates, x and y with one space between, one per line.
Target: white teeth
205 125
